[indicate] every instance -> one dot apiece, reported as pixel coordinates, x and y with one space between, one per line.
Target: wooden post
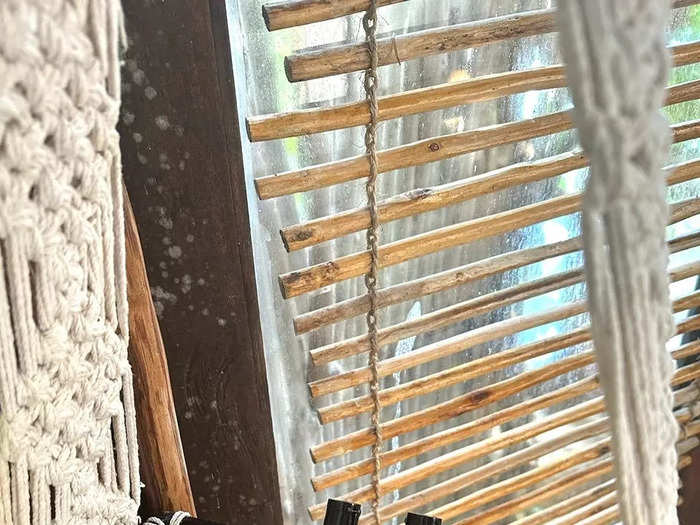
163 470
183 169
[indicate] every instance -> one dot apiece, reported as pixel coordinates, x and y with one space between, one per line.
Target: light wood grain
280 15
576 504
449 315
423 200
414 154
459 405
447 279
445 347
545 492
442 96
163 468
461 432
346 58
314 277
473 308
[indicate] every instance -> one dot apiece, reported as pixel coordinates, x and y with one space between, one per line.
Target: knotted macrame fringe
617 65
67 423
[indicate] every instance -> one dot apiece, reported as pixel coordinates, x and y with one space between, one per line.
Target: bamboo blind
575 487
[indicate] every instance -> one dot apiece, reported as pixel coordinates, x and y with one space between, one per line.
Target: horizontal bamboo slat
346 58
534 494
454 434
449 315
414 154
458 374
471 308
572 480
291 13
346 267
430 150
451 278
579 503
471 452
423 200
473 428
579 515
435 283
446 347
605 517
481 366
595 507
442 96
546 492
522 481
493 468
459 405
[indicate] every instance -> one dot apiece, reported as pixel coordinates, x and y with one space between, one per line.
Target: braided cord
369 23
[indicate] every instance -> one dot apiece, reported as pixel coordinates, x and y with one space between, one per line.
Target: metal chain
369 24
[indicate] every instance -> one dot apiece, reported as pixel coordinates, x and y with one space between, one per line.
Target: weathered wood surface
163 469
184 173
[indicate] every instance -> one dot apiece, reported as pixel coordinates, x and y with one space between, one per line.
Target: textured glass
262 88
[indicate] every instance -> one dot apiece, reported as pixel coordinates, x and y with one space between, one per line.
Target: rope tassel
617 66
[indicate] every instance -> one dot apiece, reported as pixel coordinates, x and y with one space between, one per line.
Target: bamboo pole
577 503
292 13
454 277
593 470
473 428
414 154
579 515
577 477
593 508
522 481
450 346
456 406
471 369
449 315
442 96
426 151
496 467
452 435
324 274
437 282
605 517
422 200
506 463
461 456
346 58
455 375
465 454
446 347
469 309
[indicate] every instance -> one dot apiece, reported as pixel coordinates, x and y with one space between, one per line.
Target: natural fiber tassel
617 65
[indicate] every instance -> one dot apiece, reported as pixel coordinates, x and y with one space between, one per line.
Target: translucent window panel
262 88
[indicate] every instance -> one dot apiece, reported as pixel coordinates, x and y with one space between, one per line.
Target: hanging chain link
369 23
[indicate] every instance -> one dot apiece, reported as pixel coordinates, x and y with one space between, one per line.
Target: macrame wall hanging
67 424
617 65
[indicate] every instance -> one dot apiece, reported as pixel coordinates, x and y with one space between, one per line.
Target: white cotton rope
67 426
617 66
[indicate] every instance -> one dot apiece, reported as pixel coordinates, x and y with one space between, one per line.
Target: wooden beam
184 172
163 469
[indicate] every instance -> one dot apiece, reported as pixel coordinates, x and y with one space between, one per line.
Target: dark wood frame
184 173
